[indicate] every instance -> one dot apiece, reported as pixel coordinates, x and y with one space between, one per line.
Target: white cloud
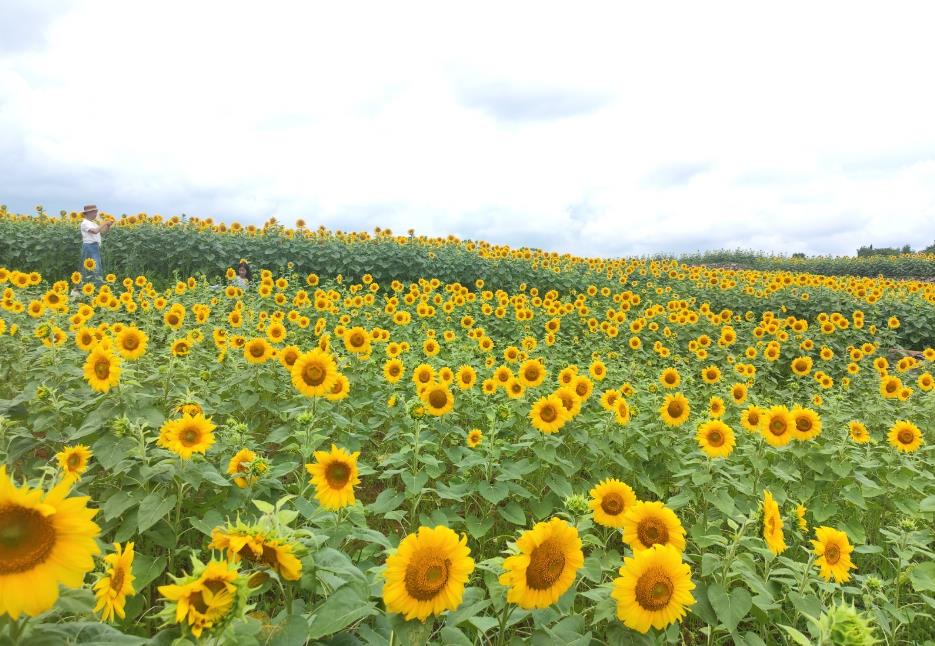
598 128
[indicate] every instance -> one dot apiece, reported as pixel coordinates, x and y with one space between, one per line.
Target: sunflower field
555 450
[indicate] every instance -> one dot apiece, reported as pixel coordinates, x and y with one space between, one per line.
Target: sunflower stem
808 568
504 617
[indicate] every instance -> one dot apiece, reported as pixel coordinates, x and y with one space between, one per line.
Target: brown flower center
257 350
548 414
715 438
102 368
803 424
777 426
531 373
130 342
116 579
189 436
438 398
357 339
832 554
753 417
426 576
675 409
74 461
546 564
652 531
26 539
654 589
313 374
612 504
337 474
905 436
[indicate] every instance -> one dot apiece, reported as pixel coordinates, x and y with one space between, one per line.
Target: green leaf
494 493
153 509
342 608
513 513
927 505
730 608
922 576
796 635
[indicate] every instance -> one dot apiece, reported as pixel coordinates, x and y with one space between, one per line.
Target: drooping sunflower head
675 409
905 436
116 585
548 560
46 539
772 524
651 523
334 475
246 467
654 588
610 500
259 546
427 573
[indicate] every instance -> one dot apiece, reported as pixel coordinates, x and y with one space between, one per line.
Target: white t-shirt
86 235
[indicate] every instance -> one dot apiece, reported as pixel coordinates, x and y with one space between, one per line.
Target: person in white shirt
91 232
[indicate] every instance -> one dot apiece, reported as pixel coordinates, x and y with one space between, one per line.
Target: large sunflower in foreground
772 525
187 435
654 588
652 523
334 475
715 438
102 369
46 538
427 573
776 426
131 342
675 410
610 500
314 373
116 585
833 552
548 560
905 436
548 414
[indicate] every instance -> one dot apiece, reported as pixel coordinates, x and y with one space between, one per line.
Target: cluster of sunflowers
506 402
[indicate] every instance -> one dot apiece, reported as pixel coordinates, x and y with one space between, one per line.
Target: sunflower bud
843 625
577 504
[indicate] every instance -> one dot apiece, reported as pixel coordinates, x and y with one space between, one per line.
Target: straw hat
89 208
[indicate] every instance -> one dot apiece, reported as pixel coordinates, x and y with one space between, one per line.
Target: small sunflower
466 377
905 436
622 411
833 552
314 373
654 588
548 415
393 370
131 343
73 460
670 378
715 438
548 560
675 410
116 585
772 525
807 423
206 600
245 462
474 438
102 369
651 523
858 432
257 546
187 435
777 425
257 351
334 475
427 573
751 417
716 406
610 500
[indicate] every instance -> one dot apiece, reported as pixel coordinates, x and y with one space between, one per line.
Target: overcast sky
600 129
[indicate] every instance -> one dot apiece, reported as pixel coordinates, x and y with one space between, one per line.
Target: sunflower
73 460
651 523
181 347
102 369
532 373
46 538
675 409
858 432
427 573
334 475
750 418
474 438
314 373
131 342
654 588
207 599
423 375
116 585
187 435
622 411
833 552
570 400
245 462
340 390
548 414
772 525
807 423
466 377
777 425
289 355
890 387
610 499
276 332
670 378
357 340
257 546
801 366
738 393
715 438
716 406
905 436
438 399
257 351
545 567
800 511
711 375
393 370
